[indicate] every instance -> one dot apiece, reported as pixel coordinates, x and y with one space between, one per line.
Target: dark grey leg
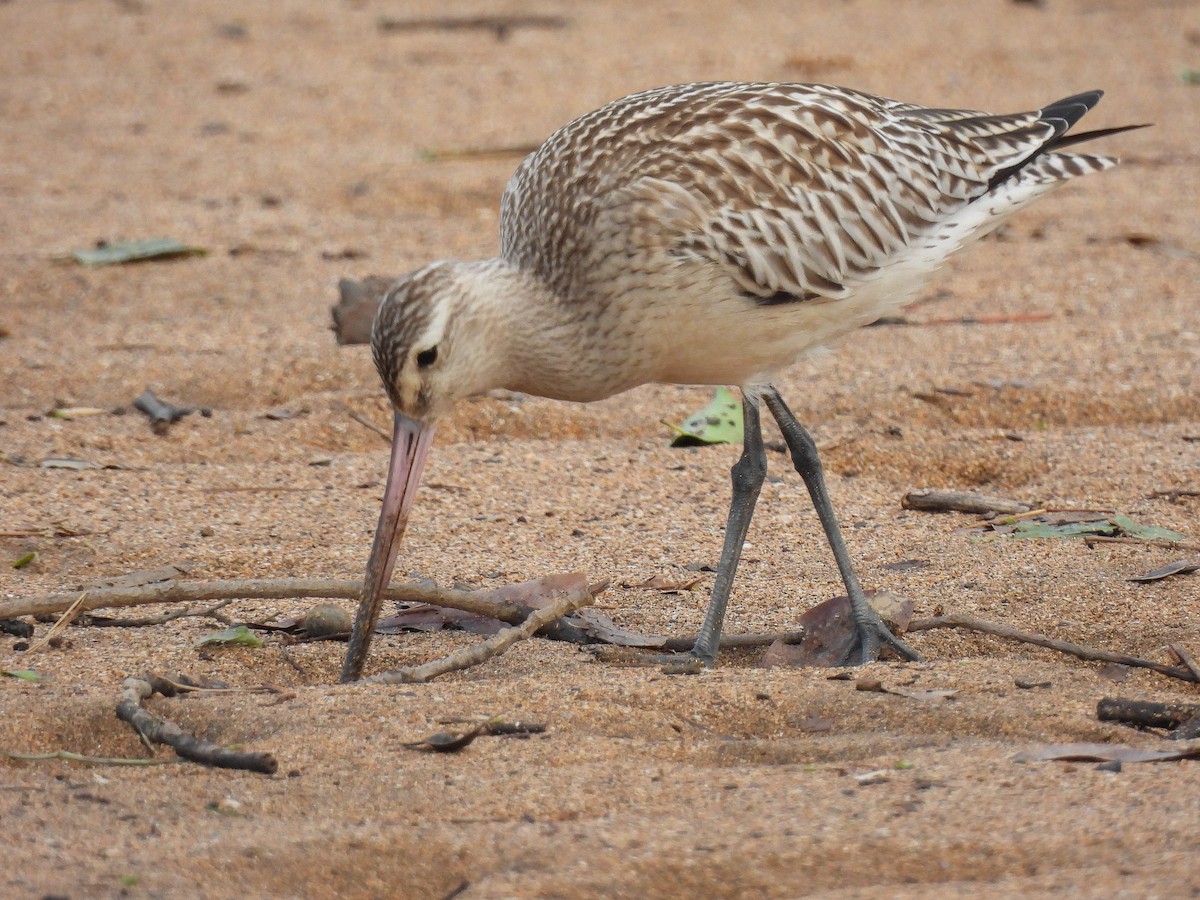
872 633
748 474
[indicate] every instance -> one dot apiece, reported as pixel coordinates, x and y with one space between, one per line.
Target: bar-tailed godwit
704 234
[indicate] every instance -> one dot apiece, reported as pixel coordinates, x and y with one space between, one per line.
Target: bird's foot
871 636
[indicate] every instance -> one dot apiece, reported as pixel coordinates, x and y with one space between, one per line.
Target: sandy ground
292 140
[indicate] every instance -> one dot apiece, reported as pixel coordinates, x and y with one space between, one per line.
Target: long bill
410 447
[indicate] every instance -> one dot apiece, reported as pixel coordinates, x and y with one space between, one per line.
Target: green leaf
718 423
23 674
238 634
1145 532
1114 526
25 560
136 251
1189 76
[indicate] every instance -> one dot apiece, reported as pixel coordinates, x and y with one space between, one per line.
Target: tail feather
1068 139
1045 163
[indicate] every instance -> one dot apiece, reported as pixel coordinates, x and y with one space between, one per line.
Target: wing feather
791 190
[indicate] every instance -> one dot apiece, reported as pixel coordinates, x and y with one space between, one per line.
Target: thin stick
1091 539
1175 493
1186 659
365 422
212 612
72 612
90 760
257 589
161 731
493 646
957 620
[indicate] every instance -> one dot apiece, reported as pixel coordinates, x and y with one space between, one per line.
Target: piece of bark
930 500
355 310
1145 713
162 414
1187 731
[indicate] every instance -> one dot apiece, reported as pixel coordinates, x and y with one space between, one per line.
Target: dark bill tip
411 440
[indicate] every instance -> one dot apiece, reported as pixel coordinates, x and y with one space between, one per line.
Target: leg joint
749 471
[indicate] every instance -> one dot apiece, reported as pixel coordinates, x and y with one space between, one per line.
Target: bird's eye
427 358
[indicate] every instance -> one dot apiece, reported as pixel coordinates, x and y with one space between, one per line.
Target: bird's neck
533 341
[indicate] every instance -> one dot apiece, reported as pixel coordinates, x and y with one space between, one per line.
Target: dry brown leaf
1179 567
829 631
1105 753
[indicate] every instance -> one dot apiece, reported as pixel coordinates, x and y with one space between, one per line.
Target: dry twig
957 620
211 612
258 589
365 422
71 613
161 731
493 646
89 760
1186 660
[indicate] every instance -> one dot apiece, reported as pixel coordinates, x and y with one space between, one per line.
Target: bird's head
421 354
433 344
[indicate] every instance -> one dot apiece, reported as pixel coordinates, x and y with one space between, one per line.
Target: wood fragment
354 313
492 647
453 154
445 742
930 500
684 644
161 731
957 620
496 727
1144 713
162 415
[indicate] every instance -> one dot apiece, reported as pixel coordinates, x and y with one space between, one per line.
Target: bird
705 234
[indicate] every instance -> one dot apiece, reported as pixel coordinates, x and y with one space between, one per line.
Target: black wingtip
1064 113
1072 108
